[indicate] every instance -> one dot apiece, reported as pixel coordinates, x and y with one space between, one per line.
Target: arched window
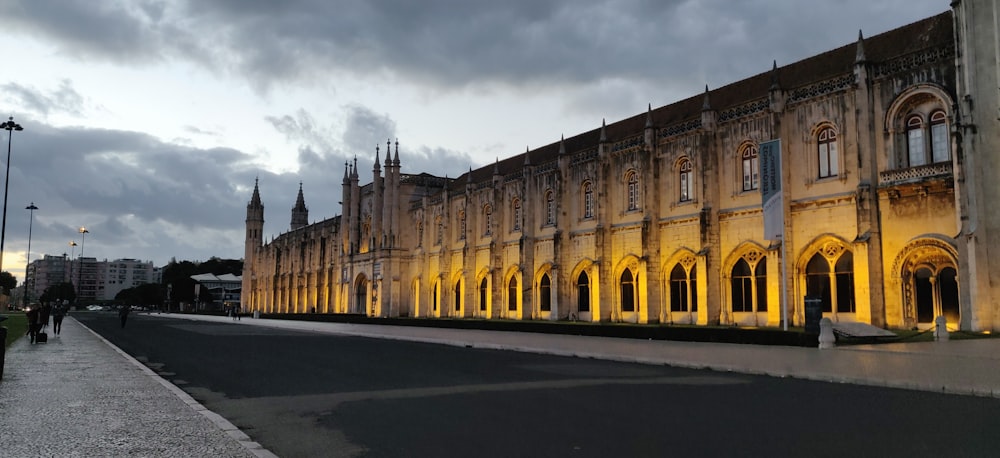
915 141
749 289
751 168
516 215
458 296
940 149
545 294
742 281
550 208
583 293
487 220
844 278
818 280
588 200
435 298
461 225
360 296
512 294
632 190
683 290
827 153
627 285
483 291
685 179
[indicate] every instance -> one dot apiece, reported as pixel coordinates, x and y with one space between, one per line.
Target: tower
254 240
300 214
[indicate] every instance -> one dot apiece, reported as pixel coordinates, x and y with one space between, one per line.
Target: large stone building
889 164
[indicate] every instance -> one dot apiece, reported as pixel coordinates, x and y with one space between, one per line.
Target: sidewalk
78 395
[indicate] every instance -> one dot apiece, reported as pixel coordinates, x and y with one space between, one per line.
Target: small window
632 183
940 150
516 215
915 141
685 179
550 208
827 153
588 200
751 168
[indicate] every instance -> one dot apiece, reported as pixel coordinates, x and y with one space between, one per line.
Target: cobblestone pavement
79 396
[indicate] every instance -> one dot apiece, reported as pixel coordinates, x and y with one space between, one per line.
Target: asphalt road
309 394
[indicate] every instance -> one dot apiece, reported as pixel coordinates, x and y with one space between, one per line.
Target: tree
144 294
59 292
7 282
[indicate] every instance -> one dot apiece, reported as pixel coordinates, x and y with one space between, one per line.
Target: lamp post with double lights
31 220
10 126
79 275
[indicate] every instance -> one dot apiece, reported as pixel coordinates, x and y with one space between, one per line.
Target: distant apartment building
93 280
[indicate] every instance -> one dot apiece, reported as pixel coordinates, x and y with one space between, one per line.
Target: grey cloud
452 44
118 181
365 129
63 99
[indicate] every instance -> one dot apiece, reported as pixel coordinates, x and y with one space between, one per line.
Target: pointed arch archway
483 307
925 271
544 293
512 300
745 286
629 293
361 296
680 288
585 292
826 271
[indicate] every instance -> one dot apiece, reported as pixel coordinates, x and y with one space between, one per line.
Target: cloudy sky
147 121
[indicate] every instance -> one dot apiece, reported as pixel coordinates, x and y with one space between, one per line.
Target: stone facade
657 218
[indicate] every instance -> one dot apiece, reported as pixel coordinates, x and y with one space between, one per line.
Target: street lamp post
79 282
31 220
10 126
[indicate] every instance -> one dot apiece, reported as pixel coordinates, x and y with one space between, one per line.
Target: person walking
58 312
32 315
123 313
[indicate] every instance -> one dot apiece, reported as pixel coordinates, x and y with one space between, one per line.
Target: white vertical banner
770 189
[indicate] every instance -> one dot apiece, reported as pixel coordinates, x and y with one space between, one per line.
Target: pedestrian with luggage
31 313
43 316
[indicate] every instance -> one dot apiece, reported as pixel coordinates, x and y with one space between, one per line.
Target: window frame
631 191
685 170
827 153
750 167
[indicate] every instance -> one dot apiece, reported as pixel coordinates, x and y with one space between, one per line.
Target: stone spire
649 116
859 57
604 131
527 156
300 214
